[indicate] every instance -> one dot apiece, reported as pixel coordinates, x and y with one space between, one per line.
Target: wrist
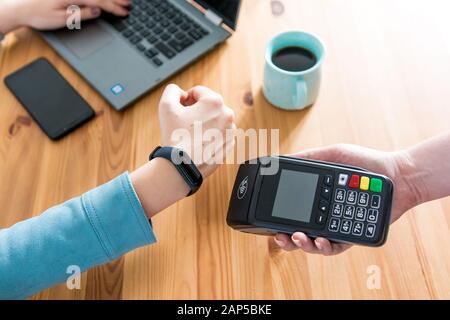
158 185
408 179
9 16
196 157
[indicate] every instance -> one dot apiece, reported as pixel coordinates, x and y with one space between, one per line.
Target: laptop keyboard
158 29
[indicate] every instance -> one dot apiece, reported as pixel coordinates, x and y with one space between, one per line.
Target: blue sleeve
100 226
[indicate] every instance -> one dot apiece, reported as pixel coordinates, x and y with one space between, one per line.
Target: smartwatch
2 36
183 163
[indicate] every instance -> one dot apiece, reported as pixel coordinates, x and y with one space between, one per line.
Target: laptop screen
228 10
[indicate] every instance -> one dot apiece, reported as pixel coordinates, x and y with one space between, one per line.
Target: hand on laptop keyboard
52 14
158 29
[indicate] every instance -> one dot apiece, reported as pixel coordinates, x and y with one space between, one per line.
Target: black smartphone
284 195
51 101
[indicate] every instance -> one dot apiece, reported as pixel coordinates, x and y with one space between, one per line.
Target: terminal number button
361 214
349 212
351 197
372 216
363 199
340 195
346 226
337 210
358 228
334 225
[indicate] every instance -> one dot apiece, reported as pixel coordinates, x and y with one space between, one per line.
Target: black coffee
294 59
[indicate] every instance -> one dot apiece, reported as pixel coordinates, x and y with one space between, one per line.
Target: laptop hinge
214 18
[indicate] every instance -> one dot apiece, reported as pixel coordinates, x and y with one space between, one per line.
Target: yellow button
365 182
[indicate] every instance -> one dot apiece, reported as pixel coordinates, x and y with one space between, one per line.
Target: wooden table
385 85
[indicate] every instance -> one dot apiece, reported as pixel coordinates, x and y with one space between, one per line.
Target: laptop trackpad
84 42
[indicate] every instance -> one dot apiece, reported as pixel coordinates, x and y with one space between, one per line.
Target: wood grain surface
385 85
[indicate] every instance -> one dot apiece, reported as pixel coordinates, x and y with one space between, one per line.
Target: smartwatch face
291 197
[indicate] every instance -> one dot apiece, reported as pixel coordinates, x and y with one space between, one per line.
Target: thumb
172 97
330 154
88 13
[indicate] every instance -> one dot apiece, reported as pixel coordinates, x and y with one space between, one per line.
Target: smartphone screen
51 101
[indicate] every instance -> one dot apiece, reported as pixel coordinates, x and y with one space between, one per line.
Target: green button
376 185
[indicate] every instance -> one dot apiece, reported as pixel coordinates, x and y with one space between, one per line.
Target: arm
93 229
90 230
109 221
425 169
420 174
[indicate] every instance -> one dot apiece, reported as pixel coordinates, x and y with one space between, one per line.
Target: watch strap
184 165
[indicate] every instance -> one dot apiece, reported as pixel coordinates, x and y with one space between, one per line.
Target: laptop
124 58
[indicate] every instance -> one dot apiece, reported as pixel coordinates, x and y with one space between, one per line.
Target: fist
199 122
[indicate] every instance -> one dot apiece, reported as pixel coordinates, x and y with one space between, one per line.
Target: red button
354 182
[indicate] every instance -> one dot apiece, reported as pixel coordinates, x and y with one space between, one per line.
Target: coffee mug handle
301 94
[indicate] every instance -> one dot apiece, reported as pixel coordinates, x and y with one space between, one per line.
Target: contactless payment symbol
243 187
117 89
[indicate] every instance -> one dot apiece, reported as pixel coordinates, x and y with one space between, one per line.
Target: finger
284 242
303 242
327 248
110 6
200 93
340 247
230 116
172 97
115 8
324 246
188 101
124 3
88 13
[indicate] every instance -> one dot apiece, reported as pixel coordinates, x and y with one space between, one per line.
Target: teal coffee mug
293 90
